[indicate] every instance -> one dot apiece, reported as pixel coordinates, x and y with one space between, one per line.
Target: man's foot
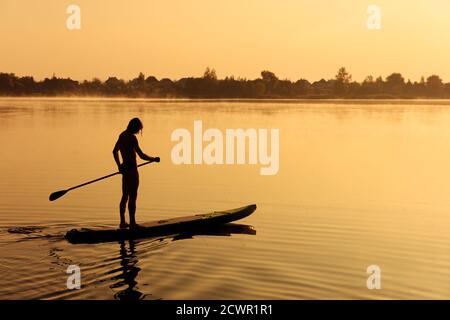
134 226
123 225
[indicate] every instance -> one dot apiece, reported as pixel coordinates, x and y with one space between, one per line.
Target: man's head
135 125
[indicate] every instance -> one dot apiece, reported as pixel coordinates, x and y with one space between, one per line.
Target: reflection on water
360 183
128 273
125 283
126 280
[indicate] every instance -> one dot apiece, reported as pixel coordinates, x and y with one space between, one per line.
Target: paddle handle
104 177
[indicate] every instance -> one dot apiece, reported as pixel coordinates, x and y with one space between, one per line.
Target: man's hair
135 125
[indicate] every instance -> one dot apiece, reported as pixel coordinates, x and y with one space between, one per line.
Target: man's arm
116 154
141 154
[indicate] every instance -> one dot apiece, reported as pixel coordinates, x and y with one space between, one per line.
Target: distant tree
283 89
257 88
368 86
422 80
7 81
270 81
446 90
58 86
93 87
354 89
137 86
395 83
167 87
343 76
114 86
268 76
395 79
343 79
152 87
151 80
409 89
302 87
369 79
139 81
207 86
233 88
324 88
28 85
210 74
434 85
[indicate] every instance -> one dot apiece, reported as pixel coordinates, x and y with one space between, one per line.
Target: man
128 146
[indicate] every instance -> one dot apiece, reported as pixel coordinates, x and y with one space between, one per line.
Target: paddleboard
160 227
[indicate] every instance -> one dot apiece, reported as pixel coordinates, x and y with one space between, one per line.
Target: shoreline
415 101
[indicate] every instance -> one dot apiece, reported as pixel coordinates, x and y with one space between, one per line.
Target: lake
359 184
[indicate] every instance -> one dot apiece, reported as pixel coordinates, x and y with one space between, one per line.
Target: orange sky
176 38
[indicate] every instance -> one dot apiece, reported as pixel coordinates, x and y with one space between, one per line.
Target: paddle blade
57 195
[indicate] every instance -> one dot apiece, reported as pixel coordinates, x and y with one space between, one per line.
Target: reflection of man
128 275
128 146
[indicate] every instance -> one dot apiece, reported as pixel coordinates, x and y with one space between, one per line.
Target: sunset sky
176 38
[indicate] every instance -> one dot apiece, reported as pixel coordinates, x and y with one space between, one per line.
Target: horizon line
175 79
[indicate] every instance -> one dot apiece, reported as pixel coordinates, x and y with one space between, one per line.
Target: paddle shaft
108 176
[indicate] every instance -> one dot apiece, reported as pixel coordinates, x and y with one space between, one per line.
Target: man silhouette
128 146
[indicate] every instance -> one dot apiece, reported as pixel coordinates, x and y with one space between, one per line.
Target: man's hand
121 168
152 159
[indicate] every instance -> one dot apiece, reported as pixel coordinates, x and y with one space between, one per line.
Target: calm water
359 184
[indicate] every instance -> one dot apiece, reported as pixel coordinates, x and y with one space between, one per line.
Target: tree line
268 86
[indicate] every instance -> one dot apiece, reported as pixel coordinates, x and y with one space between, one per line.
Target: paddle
59 194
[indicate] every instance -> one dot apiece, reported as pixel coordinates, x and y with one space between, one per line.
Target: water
360 184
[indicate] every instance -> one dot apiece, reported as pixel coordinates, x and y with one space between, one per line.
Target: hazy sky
175 38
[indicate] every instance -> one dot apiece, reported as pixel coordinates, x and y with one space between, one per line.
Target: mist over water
359 184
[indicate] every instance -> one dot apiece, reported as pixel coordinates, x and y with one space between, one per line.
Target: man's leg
123 202
134 184
123 206
132 209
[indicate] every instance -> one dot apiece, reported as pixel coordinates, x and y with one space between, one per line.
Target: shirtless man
128 146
